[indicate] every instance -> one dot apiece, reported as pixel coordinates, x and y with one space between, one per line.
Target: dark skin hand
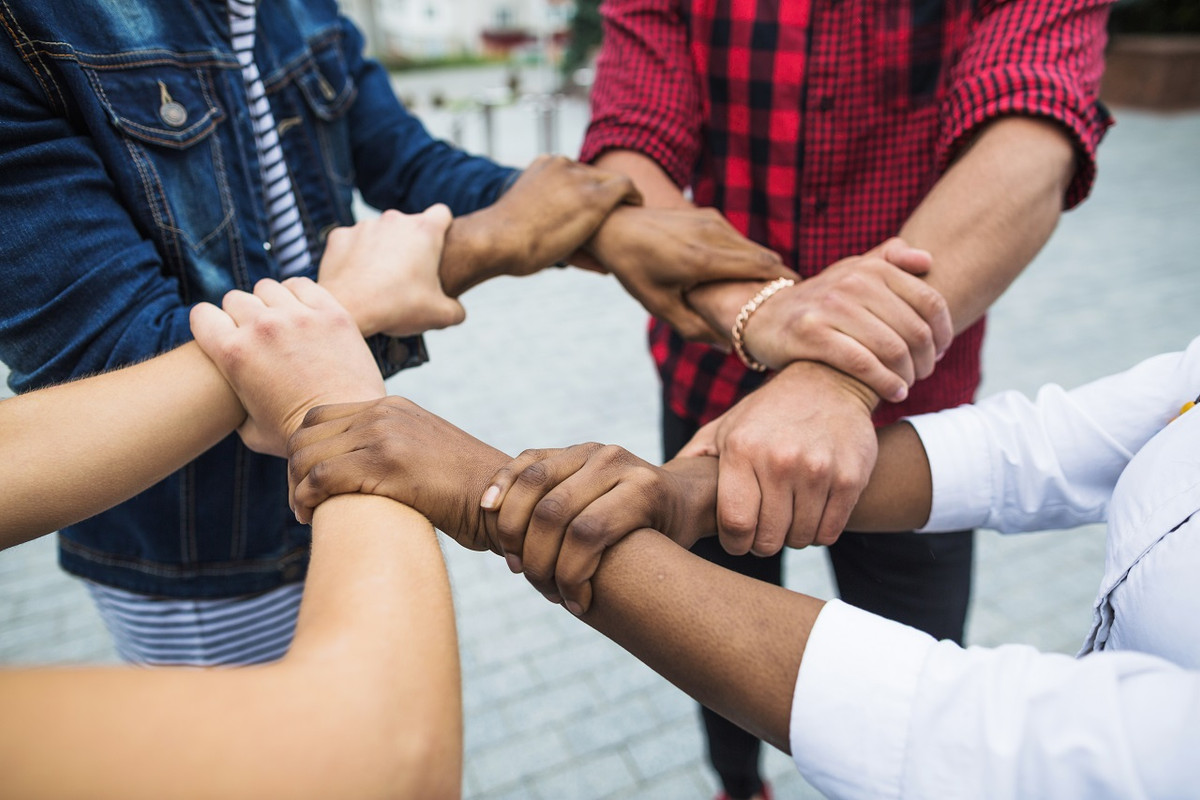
546 215
552 513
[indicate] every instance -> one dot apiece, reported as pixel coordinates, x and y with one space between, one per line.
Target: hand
555 512
794 457
385 272
284 349
660 254
869 316
395 448
544 217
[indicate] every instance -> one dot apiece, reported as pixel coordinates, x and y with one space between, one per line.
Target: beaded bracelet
739 323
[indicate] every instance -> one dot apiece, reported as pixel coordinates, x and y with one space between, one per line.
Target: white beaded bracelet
739 323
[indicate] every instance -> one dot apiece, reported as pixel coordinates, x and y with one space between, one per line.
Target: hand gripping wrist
739 323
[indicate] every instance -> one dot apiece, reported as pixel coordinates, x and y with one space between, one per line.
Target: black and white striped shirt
288 242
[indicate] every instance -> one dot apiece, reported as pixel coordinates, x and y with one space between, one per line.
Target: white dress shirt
883 710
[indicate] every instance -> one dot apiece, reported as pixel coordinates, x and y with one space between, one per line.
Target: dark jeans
922 580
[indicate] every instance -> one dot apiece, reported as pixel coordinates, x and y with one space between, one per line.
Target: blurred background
553 710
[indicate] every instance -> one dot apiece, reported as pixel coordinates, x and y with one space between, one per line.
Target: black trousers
922 580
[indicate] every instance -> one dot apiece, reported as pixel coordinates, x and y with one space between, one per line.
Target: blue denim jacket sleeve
84 290
399 164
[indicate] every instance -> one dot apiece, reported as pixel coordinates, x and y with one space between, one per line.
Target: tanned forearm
731 642
992 211
73 450
365 704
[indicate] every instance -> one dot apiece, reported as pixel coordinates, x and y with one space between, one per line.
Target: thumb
903 255
704 443
450 312
212 328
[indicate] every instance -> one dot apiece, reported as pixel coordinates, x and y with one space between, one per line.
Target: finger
703 443
687 323
318 415
438 216
502 481
243 307
211 326
841 499
851 356
551 518
903 255
317 444
529 484
929 304
312 294
809 500
738 500
338 475
774 513
605 521
274 294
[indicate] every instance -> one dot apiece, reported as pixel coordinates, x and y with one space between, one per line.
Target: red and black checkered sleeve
1039 58
645 97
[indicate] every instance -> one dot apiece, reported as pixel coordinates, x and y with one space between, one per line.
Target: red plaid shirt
817 126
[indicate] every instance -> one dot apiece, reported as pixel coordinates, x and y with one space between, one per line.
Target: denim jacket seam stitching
26 49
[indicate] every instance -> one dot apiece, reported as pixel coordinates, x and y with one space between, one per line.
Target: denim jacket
118 212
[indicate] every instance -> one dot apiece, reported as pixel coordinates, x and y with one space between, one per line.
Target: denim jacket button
173 114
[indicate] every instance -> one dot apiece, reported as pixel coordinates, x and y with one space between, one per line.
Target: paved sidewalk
555 712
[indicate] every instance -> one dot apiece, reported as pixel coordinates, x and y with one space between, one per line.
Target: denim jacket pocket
329 91
166 116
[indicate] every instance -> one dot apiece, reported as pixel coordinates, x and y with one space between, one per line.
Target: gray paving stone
599 775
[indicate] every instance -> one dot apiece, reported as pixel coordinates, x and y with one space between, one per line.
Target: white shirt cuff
956 444
852 706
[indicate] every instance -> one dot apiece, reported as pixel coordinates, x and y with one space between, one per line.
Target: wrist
853 389
693 493
469 257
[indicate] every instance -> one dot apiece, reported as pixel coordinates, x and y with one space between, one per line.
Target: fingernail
574 608
940 356
900 394
514 563
554 598
490 497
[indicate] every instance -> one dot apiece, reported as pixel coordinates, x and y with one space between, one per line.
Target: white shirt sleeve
881 710
1012 464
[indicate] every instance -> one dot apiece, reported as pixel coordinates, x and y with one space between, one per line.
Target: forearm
368 694
657 188
76 449
992 211
465 258
732 643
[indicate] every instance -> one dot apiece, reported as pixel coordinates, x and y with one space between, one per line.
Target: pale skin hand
385 272
284 349
375 632
983 221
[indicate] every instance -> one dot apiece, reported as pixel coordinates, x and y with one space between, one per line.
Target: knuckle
588 531
551 511
534 475
737 523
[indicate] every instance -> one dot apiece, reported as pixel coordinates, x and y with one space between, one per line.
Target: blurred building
430 29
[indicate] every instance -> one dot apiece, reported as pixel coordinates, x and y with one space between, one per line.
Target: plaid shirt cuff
605 135
1014 91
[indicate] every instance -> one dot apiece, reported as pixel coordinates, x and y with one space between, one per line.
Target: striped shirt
153 631
288 240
